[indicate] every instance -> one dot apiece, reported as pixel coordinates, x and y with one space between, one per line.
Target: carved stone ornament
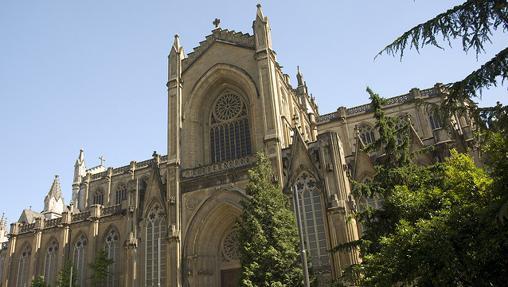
230 248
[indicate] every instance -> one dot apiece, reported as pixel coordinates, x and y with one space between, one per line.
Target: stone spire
54 202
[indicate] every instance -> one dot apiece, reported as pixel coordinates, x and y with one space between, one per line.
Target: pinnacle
176 42
259 12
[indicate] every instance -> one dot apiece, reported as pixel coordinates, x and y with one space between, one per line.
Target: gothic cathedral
169 220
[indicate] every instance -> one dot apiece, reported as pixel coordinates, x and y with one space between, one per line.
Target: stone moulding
218 167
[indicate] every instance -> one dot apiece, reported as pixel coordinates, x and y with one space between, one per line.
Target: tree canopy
437 225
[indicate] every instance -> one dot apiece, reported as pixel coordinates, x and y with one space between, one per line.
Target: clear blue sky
92 74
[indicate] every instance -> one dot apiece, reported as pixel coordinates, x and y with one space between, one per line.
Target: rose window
230 247
228 107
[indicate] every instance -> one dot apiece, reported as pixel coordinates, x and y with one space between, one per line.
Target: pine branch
473 21
485 77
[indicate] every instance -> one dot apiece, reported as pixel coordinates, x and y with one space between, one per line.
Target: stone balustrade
52 222
218 167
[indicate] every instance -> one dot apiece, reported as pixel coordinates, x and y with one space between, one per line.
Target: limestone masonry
169 220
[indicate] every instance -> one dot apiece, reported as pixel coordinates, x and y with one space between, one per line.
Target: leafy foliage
100 268
437 225
39 282
267 233
64 276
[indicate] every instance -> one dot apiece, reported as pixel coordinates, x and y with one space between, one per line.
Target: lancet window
229 128
121 193
156 231
50 262
366 134
434 120
79 259
23 266
98 197
111 248
312 218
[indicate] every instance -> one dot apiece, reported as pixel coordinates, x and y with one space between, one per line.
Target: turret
54 202
79 172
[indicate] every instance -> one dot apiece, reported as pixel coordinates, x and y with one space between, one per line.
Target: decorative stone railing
80 216
390 101
111 210
218 167
52 222
126 168
27 228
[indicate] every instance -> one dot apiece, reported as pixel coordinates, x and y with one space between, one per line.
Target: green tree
436 225
268 236
39 282
100 268
64 276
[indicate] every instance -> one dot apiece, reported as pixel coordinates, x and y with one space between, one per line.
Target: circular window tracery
230 248
227 107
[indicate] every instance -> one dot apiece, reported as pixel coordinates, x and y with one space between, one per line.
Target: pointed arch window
98 197
435 121
156 232
23 266
50 262
313 222
229 128
367 134
111 248
79 259
121 193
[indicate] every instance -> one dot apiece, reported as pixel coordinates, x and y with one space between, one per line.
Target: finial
259 12
216 23
176 43
154 154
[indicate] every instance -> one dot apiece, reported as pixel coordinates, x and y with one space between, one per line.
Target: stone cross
216 22
101 158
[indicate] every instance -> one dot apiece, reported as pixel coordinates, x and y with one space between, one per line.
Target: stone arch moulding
201 97
220 72
204 236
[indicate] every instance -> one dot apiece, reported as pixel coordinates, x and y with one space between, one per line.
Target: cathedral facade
170 220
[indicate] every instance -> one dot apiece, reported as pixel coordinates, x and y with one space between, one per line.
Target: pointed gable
299 159
223 36
155 189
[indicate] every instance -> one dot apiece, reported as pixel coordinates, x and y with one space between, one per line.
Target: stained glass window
24 265
79 259
312 218
366 134
111 248
50 262
229 128
155 265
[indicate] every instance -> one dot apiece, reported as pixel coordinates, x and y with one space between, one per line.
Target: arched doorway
210 246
